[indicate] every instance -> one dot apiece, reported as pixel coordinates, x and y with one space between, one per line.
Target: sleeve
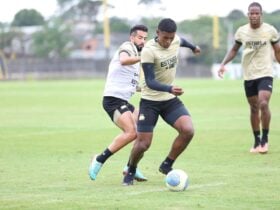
128 48
237 36
147 55
275 35
185 43
148 69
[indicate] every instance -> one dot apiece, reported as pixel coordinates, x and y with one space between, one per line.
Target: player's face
139 39
165 38
254 15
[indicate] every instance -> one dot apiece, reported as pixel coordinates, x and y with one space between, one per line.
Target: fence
34 68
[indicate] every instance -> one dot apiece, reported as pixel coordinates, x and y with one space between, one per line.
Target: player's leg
264 95
255 122
126 123
252 99
179 118
147 119
120 113
141 144
138 174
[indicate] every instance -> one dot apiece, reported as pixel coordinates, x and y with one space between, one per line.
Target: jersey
165 62
257 56
122 80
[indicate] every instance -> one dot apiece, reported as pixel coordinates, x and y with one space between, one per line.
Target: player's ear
157 32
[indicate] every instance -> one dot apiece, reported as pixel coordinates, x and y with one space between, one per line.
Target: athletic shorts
111 104
149 112
252 87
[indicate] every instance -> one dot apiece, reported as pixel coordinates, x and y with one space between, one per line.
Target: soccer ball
177 180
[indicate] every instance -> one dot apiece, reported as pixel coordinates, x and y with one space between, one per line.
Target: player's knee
131 135
263 105
188 132
254 108
144 146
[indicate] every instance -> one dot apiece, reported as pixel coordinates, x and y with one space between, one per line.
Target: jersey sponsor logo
255 44
170 63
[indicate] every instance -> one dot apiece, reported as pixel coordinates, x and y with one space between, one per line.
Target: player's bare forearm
276 48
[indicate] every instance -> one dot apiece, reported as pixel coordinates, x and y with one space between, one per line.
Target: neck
256 25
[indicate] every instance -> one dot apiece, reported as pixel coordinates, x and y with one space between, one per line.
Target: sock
167 162
264 136
257 135
104 156
132 169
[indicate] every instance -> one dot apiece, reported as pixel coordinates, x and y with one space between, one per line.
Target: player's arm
185 43
127 59
276 47
229 56
152 83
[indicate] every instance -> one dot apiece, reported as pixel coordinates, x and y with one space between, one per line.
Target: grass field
50 129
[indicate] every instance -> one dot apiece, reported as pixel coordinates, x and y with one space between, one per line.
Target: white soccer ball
177 180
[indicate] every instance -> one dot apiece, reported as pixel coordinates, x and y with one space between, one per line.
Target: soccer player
121 83
259 40
159 60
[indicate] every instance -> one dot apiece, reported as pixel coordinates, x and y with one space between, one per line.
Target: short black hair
138 28
255 4
167 25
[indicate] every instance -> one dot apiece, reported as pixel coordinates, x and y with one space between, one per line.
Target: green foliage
28 17
50 129
82 10
117 25
7 37
273 19
52 40
235 15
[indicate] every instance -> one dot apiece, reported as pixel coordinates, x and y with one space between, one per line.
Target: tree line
56 36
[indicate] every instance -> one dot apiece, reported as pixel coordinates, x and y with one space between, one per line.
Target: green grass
50 129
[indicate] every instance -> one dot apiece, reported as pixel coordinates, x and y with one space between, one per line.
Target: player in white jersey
121 83
159 60
260 43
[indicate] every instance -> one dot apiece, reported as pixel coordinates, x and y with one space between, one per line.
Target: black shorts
111 104
149 112
252 87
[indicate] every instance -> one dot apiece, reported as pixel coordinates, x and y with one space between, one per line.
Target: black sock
257 135
264 136
104 156
167 162
132 169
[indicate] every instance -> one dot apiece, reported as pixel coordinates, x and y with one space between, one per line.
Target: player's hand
221 71
177 91
197 50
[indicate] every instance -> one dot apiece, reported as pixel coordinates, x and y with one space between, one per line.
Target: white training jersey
122 80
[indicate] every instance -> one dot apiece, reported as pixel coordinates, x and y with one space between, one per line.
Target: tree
53 40
86 10
235 15
117 25
28 17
